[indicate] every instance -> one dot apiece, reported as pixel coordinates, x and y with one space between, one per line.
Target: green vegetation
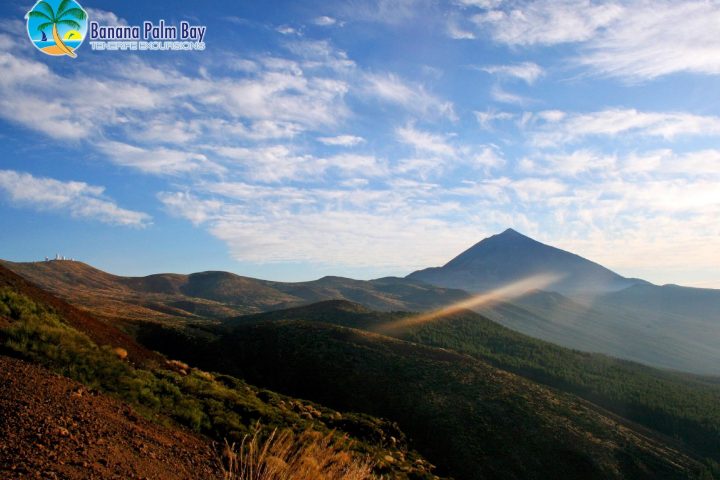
473 420
219 406
682 406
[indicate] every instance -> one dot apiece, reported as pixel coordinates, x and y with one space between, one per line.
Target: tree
64 16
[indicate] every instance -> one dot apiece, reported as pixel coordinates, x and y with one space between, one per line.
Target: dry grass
287 456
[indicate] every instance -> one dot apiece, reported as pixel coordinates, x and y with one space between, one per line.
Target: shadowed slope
472 419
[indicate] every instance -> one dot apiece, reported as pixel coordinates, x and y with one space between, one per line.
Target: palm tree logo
66 20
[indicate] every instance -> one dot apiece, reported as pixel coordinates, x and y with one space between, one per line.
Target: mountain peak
510 256
507 234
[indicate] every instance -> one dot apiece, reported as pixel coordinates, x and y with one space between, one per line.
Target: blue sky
369 138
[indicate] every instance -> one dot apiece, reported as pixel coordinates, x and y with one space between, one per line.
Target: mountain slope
510 256
698 303
634 329
471 418
172 394
100 332
681 406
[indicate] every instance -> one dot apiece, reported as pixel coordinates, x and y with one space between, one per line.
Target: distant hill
218 294
511 256
663 326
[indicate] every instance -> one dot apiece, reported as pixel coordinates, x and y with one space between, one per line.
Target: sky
366 138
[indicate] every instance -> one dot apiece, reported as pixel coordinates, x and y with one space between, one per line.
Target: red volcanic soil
54 428
99 331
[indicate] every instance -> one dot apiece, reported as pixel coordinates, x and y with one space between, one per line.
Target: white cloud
425 141
526 71
489 159
458 33
77 199
28 97
551 115
537 189
354 183
281 93
487 118
276 163
479 3
560 129
569 164
277 98
325 21
392 12
666 162
392 89
547 22
188 206
353 164
255 130
500 95
328 227
651 39
167 129
286 30
342 140
158 161
321 54
271 163
635 39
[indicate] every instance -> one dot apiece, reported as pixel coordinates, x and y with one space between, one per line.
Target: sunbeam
506 292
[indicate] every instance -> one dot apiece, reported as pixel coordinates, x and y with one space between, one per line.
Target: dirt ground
54 428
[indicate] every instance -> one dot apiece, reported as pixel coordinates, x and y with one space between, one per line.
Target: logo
57 27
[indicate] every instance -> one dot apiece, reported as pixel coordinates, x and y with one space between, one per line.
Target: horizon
61 257
369 138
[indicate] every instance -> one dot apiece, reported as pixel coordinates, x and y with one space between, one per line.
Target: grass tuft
284 455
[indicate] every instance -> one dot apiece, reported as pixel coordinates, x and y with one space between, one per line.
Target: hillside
679 405
472 418
99 332
170 394
216 294
511 256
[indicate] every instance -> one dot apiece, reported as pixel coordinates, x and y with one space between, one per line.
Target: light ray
506 292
